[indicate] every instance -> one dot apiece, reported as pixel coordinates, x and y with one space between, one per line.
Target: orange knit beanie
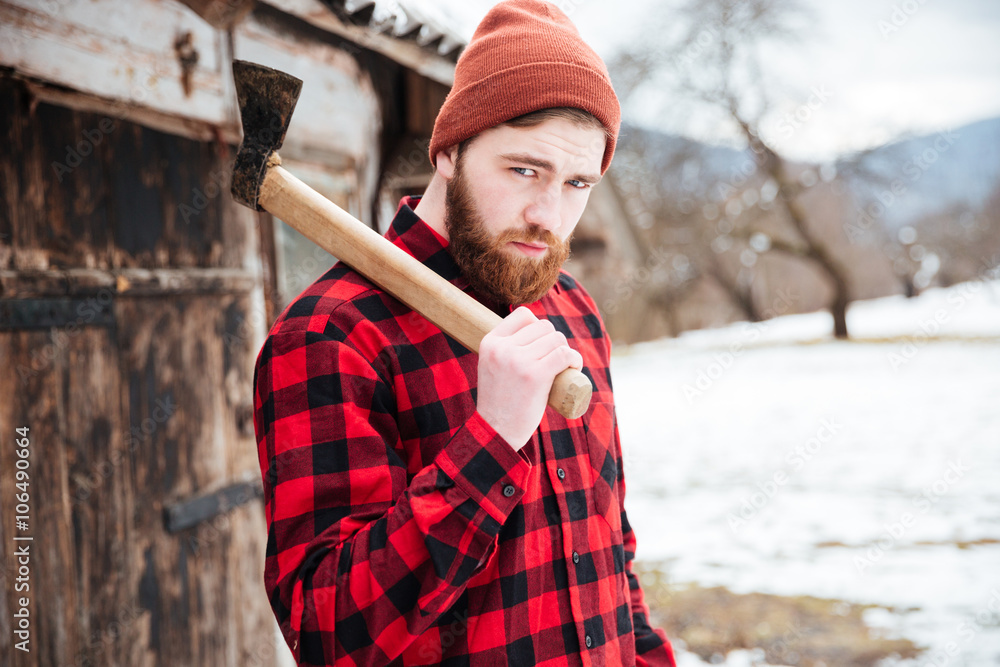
525 55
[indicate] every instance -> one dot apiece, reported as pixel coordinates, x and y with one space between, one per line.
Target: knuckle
523 371
489 352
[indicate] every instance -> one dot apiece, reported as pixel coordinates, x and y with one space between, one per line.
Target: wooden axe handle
388 266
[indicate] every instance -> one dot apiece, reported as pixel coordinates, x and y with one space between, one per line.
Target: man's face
513 200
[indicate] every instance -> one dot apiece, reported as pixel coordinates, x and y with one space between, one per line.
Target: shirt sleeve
360 559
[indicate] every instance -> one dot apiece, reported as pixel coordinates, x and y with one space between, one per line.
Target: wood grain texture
119 51
135 409
79 552
119 429
85 190
388 266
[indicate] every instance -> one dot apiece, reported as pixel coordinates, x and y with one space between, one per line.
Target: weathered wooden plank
109 586
424 98
102 285
22 194
134 112
108 226
86 190
270 307
113 586
66 390
121 51
193 594
122 54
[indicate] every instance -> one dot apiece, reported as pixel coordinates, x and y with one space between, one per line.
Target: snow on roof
425 22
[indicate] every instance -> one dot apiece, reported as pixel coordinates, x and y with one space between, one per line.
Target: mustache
530 234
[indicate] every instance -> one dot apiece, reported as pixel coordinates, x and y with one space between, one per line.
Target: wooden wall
131 313
134 296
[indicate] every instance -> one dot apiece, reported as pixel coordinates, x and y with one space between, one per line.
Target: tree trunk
814 249
839 311
742 298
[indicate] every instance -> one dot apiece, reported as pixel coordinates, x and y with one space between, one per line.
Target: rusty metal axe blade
267 99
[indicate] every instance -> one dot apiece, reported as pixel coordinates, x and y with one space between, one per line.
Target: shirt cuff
485 467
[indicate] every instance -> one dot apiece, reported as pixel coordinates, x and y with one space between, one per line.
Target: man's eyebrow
526 158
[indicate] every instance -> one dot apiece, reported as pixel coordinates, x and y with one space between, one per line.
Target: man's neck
431 207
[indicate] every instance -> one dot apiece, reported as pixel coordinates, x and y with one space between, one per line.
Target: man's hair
572 114
576 116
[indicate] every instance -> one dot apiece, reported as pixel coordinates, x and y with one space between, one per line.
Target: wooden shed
135 294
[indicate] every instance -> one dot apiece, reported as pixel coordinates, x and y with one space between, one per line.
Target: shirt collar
417 238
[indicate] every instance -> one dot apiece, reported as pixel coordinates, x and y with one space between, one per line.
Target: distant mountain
679 162
934 173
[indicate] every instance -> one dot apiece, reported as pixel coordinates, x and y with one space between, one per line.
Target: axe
267 98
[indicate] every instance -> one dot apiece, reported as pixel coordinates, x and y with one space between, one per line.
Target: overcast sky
890 67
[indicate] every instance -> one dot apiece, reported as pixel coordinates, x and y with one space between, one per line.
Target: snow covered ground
769 457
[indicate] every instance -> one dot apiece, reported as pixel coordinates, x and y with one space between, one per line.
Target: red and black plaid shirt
401 528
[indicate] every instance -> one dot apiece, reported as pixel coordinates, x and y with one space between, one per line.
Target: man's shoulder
574 309
566 281
572 291
338 299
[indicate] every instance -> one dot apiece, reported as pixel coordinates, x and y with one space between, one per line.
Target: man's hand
517 364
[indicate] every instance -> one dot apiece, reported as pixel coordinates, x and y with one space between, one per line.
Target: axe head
267 99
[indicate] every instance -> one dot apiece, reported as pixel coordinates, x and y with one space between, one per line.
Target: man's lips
530 249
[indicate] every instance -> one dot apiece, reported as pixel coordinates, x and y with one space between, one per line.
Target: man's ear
445 163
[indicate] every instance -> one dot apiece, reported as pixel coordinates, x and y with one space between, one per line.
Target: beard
493 270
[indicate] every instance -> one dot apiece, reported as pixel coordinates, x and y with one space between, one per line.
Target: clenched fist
518 361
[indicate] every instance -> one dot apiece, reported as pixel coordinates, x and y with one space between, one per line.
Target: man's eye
524 171
580 185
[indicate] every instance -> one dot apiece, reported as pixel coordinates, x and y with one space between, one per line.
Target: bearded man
423 505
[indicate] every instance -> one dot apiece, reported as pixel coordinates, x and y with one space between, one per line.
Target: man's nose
544 210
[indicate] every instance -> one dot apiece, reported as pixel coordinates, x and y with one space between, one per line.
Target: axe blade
267 99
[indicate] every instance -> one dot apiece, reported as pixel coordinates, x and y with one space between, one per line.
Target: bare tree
651 217
710 62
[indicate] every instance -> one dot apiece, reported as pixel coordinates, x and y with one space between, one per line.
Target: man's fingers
524 341
531 332
552 353
561 358
543 345
520 318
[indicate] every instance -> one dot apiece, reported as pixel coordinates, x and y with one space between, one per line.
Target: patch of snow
865 470
460 18
754 658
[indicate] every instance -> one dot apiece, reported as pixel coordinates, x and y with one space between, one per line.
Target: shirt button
576 557
561 473
508 490
589 641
